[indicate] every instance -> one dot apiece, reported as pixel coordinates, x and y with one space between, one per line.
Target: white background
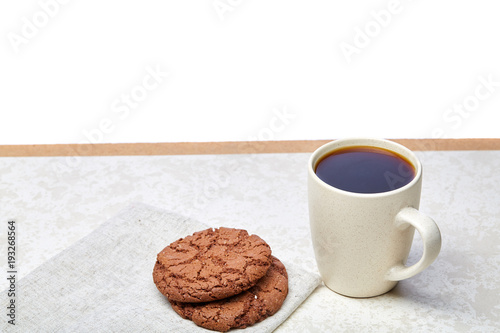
247 69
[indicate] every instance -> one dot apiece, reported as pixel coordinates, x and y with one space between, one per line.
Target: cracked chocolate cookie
240 311
210 265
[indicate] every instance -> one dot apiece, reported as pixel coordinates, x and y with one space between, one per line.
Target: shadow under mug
362 240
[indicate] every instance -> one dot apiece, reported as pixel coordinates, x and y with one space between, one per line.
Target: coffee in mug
364 169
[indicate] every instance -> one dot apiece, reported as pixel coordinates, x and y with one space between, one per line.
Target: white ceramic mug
362 241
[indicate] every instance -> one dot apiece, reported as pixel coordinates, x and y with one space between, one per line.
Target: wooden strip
230 147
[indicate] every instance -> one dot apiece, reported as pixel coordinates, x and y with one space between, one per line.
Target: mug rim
369 142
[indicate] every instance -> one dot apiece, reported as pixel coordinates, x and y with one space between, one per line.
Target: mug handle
431 236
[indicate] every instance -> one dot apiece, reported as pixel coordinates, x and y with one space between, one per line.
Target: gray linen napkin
104 283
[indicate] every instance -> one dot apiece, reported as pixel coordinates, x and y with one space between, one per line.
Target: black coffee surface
365 170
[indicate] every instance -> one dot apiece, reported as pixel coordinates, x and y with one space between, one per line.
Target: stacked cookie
221 278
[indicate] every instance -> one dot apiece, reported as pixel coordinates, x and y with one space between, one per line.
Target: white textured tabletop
57 200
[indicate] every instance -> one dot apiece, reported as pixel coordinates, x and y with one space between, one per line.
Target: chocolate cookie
211 264
239 311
